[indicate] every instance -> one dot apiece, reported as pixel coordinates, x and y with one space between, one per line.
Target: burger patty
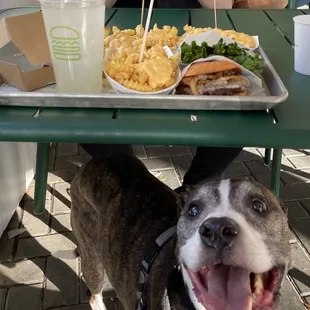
183 90
221 87
223 91
217 86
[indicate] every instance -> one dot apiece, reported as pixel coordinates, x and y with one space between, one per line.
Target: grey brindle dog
230 251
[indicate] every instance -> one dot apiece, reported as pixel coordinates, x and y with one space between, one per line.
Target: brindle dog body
119 208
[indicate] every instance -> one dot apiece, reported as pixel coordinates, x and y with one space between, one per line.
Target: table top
214 128
276 35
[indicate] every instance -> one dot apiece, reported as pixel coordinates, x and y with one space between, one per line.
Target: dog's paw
96 302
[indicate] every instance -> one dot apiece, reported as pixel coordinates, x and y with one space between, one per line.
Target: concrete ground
39 269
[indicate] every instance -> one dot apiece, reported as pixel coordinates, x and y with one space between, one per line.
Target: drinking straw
142 12
215 15
147 26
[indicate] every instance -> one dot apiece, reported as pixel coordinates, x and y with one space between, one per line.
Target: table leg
292 4
267 157
276 171
42 163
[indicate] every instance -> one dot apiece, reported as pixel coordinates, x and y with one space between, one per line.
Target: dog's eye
259 206
193 210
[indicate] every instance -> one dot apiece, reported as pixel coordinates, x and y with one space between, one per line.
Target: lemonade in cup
75 32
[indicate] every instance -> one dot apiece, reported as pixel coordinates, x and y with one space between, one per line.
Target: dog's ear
183 195
181 199
283 207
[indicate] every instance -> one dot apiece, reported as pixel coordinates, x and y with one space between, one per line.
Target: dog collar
147 261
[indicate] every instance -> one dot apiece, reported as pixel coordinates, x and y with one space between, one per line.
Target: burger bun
210 67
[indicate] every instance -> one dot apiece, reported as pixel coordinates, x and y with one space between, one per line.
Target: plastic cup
75 32
302 44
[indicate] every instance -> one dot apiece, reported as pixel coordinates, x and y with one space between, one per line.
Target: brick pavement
39 269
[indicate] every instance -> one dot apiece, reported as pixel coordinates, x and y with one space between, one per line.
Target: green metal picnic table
287 126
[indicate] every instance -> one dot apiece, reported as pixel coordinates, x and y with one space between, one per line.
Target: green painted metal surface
292 4
8 112
126 18
276 171
177 18
294 113
235 128
42 164
284 21
205 18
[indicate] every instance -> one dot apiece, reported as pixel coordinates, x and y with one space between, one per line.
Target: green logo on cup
65 43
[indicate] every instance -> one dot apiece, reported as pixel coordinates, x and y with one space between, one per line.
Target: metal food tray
275 90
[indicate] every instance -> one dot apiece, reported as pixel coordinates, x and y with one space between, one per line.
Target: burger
214 78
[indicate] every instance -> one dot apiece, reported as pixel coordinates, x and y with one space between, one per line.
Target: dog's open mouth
223 287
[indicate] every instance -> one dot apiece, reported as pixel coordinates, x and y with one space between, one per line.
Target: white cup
302 44
75 32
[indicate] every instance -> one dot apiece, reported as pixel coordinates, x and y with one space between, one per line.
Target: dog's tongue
228 288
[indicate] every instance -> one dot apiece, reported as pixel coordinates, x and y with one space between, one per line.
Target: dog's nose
218 232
